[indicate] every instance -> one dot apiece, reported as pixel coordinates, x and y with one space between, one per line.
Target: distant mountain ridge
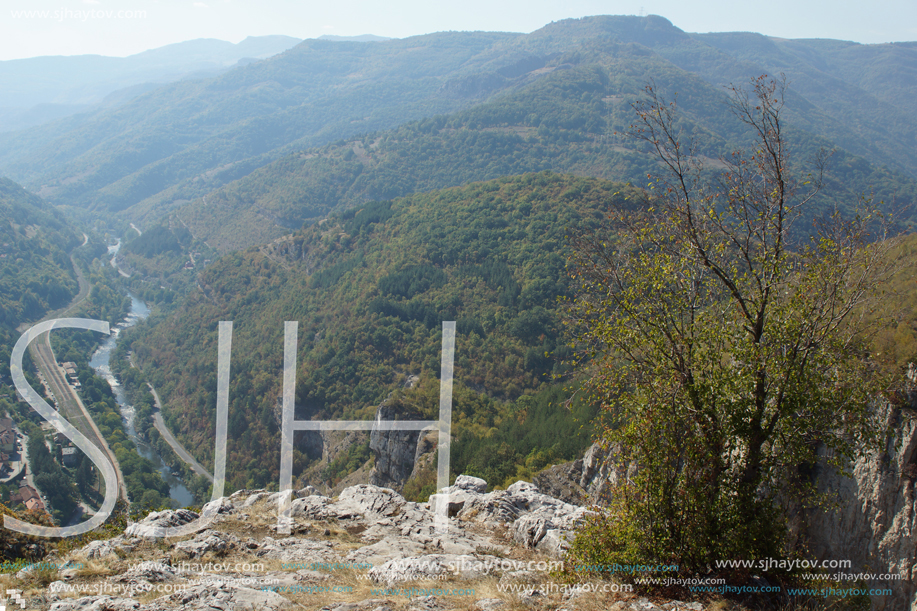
39 89
181 141
319 91
559 115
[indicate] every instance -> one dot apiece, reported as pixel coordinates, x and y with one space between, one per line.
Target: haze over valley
371 188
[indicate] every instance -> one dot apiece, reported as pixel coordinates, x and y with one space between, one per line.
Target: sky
30 28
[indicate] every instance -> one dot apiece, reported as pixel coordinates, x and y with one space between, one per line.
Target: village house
7 436
29 497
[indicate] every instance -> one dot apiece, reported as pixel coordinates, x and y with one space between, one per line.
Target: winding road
177 447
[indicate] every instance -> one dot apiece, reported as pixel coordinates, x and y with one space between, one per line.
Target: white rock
366 501
313 508
529 530
220 506
150 572
97 550
254 499
208 541
219 595
96 603
471 484
409 569
161 519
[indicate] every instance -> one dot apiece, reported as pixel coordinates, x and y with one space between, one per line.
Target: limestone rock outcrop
233 563
874 522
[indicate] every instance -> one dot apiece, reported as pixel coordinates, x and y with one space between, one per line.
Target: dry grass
93 568
257 524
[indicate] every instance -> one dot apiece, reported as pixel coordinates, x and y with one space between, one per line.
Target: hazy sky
121 27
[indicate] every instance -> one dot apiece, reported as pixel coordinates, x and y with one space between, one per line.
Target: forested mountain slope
572 119
40 89
370 290
181 141
864 93
36 274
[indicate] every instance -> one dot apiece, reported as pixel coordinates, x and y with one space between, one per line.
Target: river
100 361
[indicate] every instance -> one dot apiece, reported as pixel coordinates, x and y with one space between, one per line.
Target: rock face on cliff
874 523
368 549
587 481
395 451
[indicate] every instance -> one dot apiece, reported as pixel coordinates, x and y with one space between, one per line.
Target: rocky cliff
395 451
874 521
365 550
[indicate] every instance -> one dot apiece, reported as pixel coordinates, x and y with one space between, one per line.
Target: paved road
170 439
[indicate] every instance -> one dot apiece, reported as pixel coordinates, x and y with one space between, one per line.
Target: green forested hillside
370 290
164 261
573 120
314 93
36 274
864 93
184 140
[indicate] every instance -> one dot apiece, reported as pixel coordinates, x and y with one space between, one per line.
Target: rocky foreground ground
366 550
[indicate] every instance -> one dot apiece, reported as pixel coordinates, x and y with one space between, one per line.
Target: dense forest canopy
370 289
572 119
36 274
180 141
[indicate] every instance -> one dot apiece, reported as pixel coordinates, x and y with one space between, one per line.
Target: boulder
219 595
149 572
207 541
367 501
98 550
96 603
160 519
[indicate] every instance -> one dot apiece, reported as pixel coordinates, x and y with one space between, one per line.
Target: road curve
174 443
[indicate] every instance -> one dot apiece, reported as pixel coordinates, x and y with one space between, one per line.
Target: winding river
100 361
